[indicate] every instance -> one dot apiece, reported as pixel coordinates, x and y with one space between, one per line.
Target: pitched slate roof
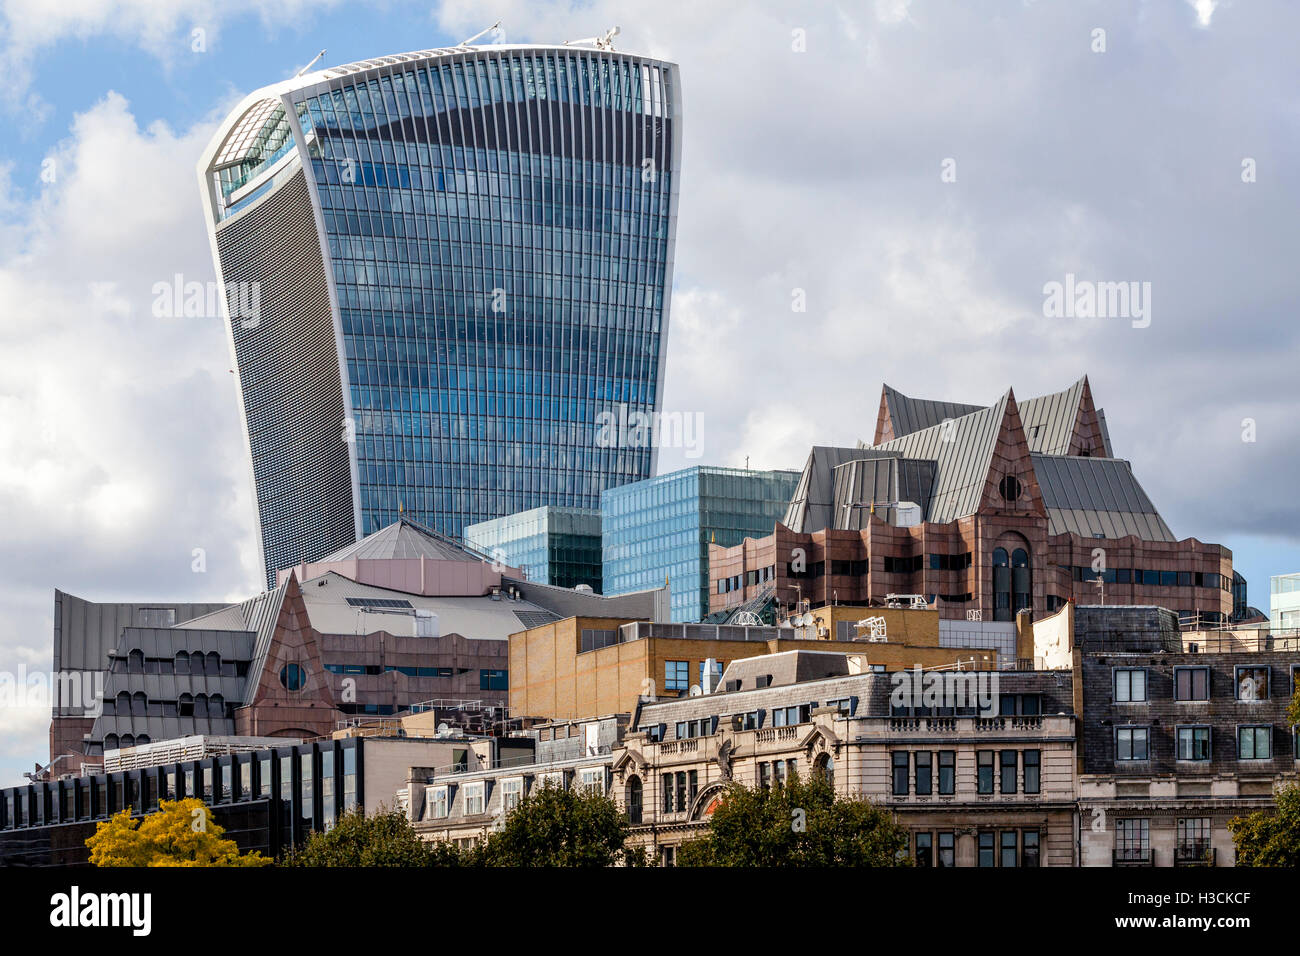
1096 497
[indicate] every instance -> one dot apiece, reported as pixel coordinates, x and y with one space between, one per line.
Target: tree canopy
180 833
800 823
1268 838
384 839
555 827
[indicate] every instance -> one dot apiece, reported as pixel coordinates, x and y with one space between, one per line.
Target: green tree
180 833
384 839
800 823
554 827
1270 838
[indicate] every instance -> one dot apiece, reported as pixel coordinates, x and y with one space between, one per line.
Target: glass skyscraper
441 270
662 528
559 546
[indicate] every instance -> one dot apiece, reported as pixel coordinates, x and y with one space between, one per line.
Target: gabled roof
257 614
1049 420
811 507
403 539
908 415
962 450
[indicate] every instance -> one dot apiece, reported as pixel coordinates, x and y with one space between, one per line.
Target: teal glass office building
558 546
662 527
441 269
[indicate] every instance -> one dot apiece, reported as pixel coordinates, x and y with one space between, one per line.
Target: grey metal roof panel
1096 496
403 539
909 415
864 481
812 506
962 450
1049 420
1107 450
86 631
166 641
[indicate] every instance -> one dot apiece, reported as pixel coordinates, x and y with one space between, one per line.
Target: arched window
111 742
185 706
139 704
999 557
200 705
1019 559
141 740
634 797
826 768
182 663
216 706
212 664
128 740
135 662
123 704
196 662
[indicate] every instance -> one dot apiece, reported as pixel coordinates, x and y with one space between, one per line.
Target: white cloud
166 30
121 450
1204 10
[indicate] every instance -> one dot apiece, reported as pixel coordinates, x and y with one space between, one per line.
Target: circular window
1010 487
292 676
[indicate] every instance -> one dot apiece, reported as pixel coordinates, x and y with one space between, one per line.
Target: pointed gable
962 449
1064 423
1011 469
900 415
285 637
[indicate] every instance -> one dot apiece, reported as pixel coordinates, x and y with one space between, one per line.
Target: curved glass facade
497 225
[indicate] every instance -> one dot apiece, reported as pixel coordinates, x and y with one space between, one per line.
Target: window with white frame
436 799
592 780
512 792
473 798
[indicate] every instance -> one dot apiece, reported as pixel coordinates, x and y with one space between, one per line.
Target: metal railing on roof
522 760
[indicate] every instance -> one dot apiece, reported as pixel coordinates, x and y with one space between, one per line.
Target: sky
914 173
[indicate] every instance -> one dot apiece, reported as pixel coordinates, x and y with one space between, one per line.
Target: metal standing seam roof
811 506
259 615
1049 420
908 415
1107 451
165 642
1096 496
403 539
962 451
880 480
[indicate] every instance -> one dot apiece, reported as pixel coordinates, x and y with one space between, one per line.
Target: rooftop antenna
605 42
477 35
311 64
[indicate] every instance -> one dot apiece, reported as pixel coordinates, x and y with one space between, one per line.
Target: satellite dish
695 690
444 729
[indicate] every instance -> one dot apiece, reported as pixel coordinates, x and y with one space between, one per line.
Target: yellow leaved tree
181 833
